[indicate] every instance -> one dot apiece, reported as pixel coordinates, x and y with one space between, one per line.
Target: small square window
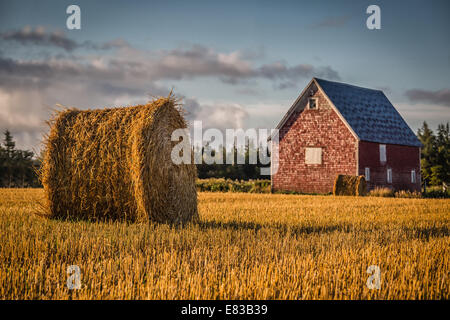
413 176
389 175
367 174
313 103
313 156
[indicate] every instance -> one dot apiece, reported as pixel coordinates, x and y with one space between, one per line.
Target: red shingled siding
401 159
314 128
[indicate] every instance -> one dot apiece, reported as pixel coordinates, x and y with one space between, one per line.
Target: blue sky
236 63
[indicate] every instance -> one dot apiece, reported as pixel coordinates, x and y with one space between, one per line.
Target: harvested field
247 246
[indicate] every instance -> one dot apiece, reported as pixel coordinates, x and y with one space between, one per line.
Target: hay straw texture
115 164
346 185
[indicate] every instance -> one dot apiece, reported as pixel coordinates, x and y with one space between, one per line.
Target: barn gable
368 114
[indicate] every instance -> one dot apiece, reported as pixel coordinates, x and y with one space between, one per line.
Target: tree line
435 157
236 170
18 168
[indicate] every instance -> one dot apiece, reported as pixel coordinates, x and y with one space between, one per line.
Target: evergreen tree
10 157
435 157
17 167
3 159
428 156
441 169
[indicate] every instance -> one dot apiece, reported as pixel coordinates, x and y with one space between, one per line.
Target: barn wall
401 159
314 128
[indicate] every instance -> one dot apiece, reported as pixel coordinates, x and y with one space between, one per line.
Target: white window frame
413 176
313 155
389 175
367 174
383 155
309 105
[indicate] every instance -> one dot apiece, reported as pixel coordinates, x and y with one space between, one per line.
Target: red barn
335 128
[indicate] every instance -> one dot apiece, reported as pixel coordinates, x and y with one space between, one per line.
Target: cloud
30 88
232 68
181 63
439 97
41 37
332 22
221 116
285 85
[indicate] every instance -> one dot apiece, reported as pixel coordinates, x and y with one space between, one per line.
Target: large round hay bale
116 164
347 185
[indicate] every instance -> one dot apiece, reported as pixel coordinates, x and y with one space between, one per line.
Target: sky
236 64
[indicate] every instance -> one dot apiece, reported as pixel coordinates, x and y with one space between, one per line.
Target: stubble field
247 246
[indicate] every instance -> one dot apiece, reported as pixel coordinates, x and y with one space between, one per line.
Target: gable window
382 153
313 156
312 103
389 175
413 176
367 174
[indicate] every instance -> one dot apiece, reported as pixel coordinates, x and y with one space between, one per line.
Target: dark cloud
285 85
230 68
113 44
439 97
290 75
328 73
279 70
39 36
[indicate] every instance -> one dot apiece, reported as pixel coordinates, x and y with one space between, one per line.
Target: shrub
407 194
436 193
381 192
228 185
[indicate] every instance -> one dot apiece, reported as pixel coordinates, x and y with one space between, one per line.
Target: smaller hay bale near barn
115 164
346 185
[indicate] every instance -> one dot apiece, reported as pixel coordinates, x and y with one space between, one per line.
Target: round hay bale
115 164
346 185
361 186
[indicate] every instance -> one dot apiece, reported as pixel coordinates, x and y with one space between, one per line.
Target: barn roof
368 113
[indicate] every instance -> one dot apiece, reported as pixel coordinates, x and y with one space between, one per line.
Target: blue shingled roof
369 113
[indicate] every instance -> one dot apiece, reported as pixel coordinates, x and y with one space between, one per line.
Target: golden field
247 246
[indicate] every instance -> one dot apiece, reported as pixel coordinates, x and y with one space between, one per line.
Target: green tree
17 167
10 155
435 157
441 169
428 155
3 160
